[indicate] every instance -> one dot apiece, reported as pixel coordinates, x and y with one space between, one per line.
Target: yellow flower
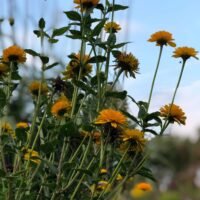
173 113
127 63
162 38
3 69
103 185
14 54
6 128
73 68
133 138
86 4
35 86
119 177
22 125
61 107
111 117
185 53
112 27
32 156
141 190
103 171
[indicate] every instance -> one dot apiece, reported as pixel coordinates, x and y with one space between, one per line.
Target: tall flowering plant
80 142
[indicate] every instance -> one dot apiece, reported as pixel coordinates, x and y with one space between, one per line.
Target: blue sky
180 17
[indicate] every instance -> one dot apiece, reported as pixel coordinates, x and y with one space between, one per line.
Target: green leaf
69 129
52 40
116 53
98 28
84 87
94 80
111 39
145 172
44 59
41 23
75 33
31 52
21 134
130 116
116 7
142 109
97 59
73 15
120 45
2 99
100 7
51 66
37 33
60 31
115 94
2 173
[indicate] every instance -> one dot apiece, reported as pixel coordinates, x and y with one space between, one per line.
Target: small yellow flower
61 107
22 125
73 68
119 177
4 69
185 53
6 128
141 190
86 4
133 138
173 113
14 54
112 117
127 63
103 185
112 27
35 86
32 156
162 38
103 171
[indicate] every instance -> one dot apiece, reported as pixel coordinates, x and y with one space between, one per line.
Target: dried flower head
14 54
127 63
185 53
112 27
162 38
111 117
73 68
35 86
173 113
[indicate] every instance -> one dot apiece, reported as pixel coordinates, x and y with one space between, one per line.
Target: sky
144 17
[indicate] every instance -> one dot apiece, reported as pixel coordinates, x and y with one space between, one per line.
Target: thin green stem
154 77
179 80
115 172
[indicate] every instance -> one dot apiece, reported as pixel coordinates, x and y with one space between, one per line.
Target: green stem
115 172
154 77
166 123
81 180
178 83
